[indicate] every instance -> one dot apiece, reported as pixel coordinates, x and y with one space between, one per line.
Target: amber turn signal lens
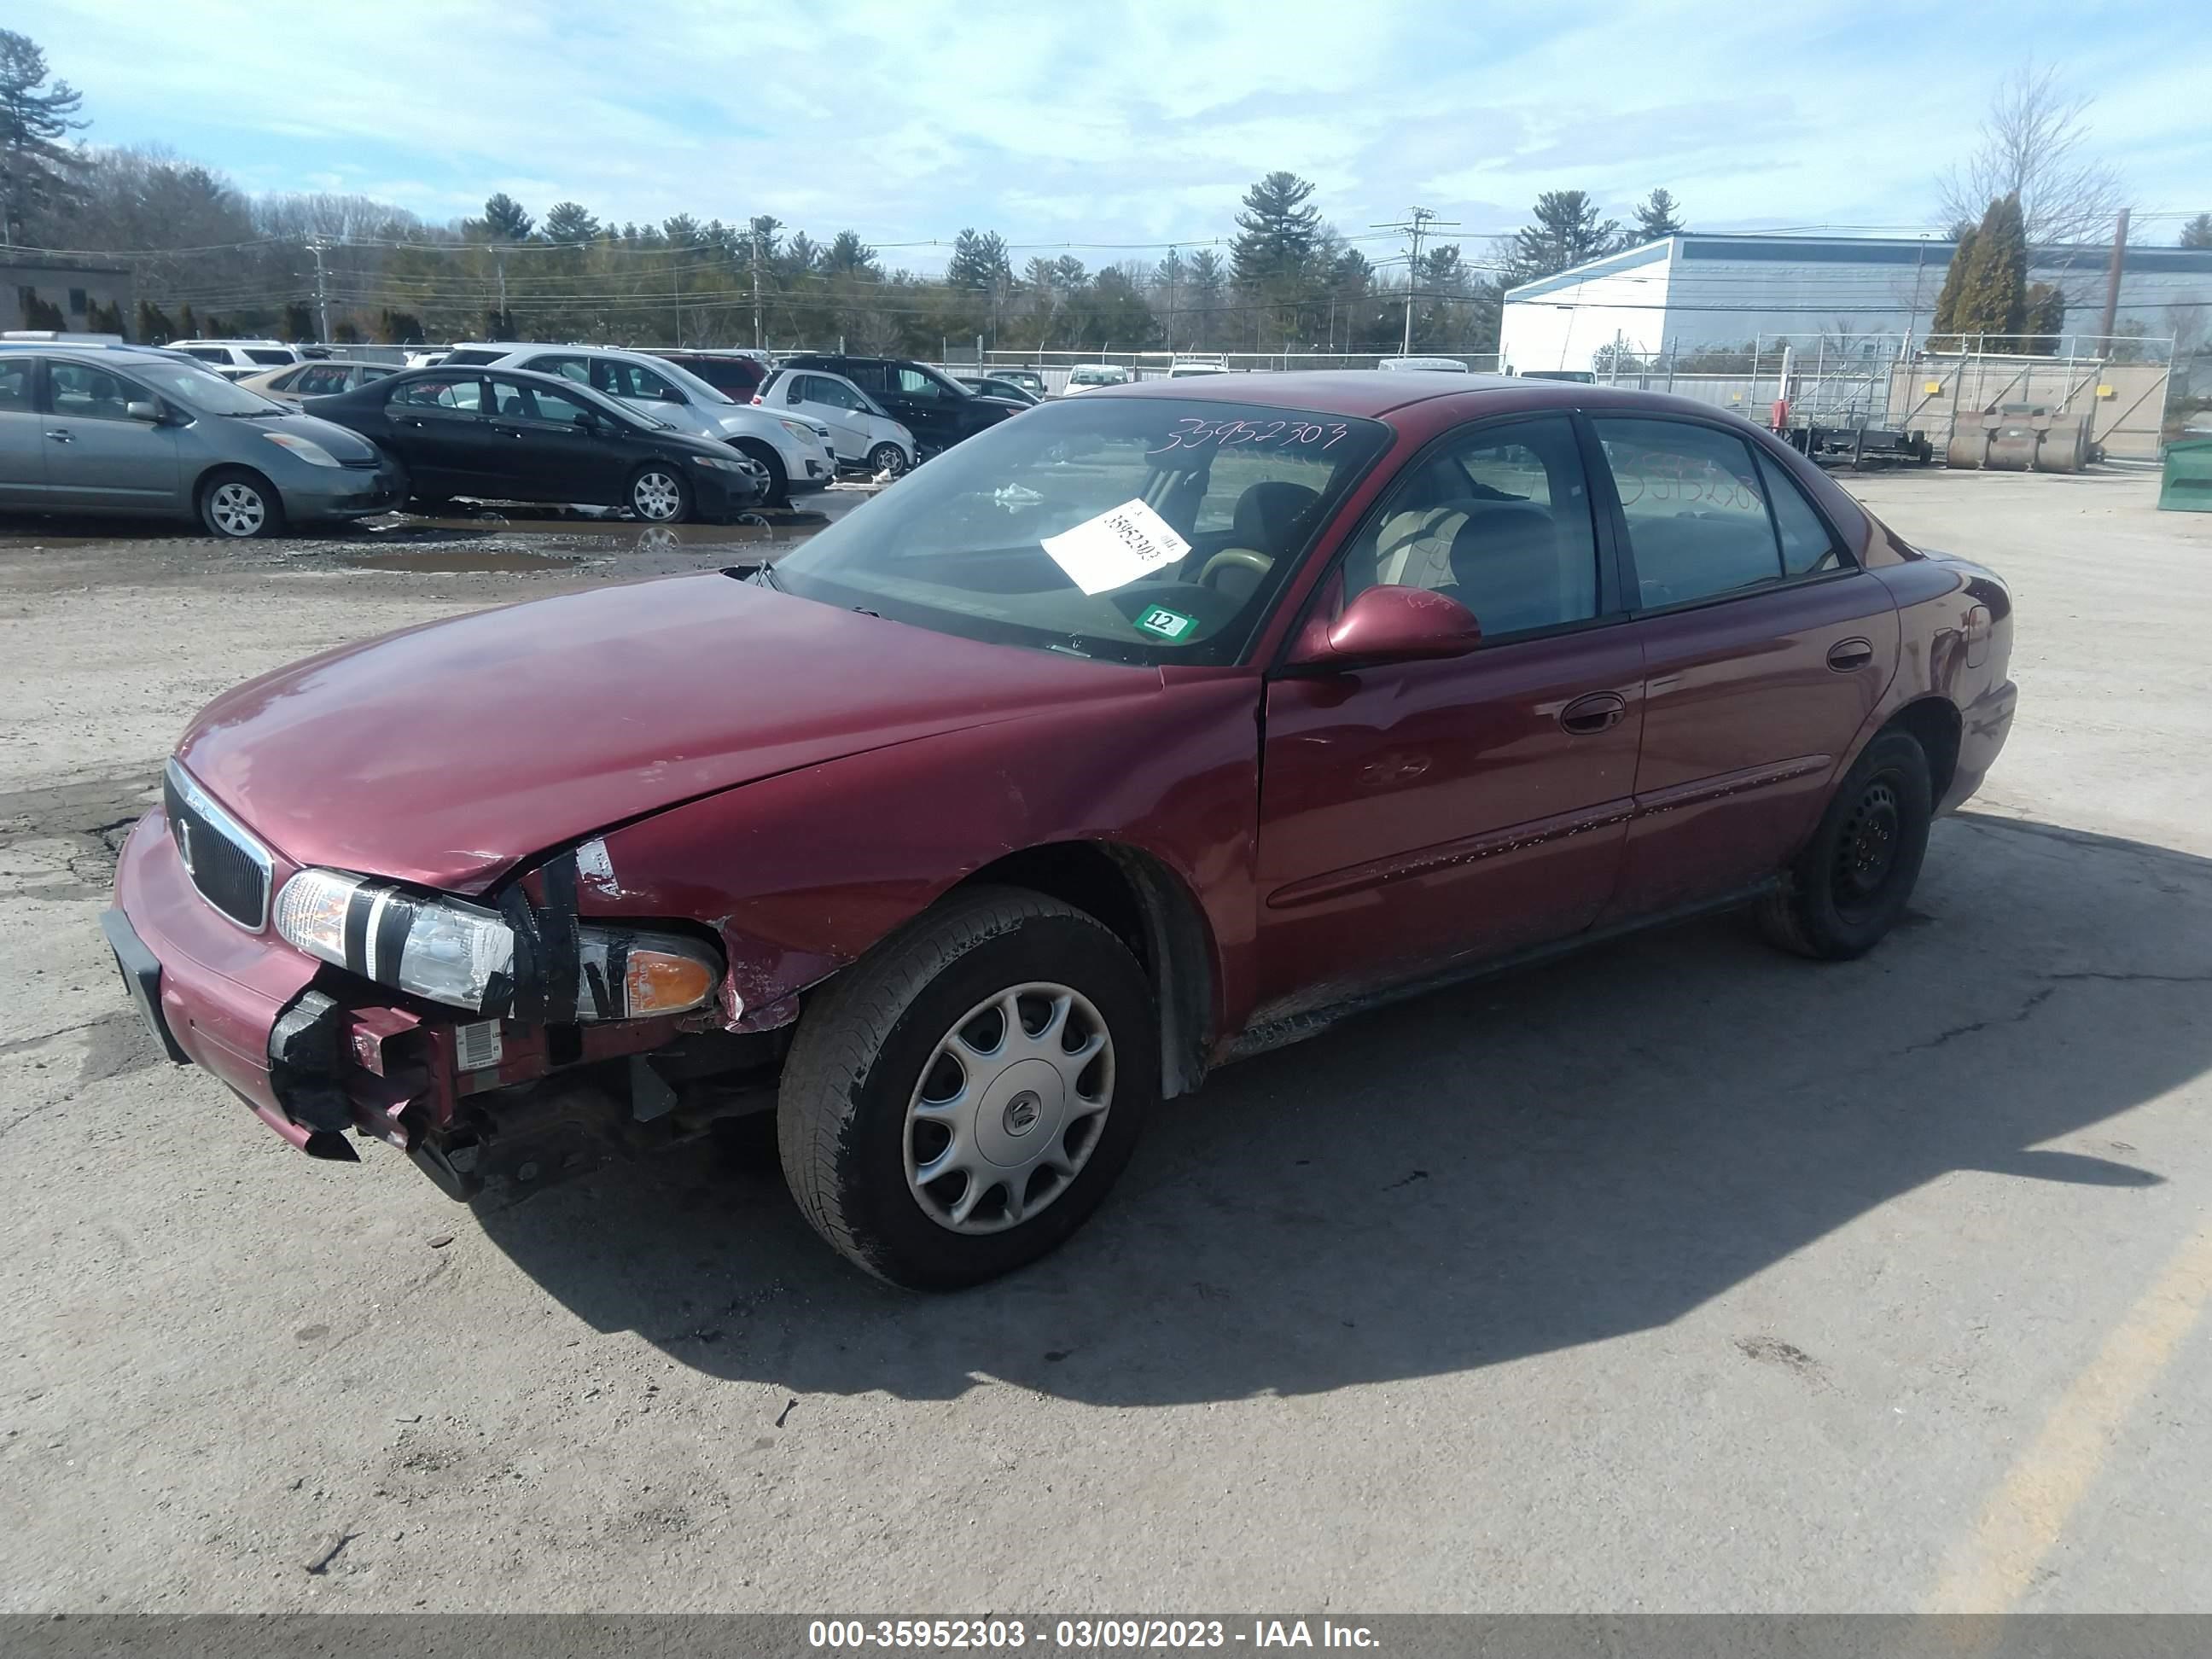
664 982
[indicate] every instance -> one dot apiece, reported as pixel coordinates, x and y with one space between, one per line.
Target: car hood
346 446
447 754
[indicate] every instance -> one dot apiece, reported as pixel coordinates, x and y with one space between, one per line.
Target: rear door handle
1845 655
1600 711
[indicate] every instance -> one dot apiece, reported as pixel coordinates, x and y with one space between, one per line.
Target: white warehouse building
1696 290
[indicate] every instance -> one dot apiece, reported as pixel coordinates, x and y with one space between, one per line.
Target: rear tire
907 1061
237 504
1852 882
779 480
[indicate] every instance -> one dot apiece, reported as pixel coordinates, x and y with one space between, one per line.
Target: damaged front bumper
321 1057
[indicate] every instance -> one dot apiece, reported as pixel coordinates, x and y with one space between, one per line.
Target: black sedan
509 434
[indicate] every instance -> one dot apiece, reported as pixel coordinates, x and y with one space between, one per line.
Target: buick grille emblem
185 846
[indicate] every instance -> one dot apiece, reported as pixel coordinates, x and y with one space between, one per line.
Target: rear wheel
956 1105
887 460
1856 876
236 504
659 494
779 480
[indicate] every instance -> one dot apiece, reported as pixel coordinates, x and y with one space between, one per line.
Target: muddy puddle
456 560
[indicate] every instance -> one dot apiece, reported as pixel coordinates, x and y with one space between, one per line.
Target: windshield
1146 530
198 388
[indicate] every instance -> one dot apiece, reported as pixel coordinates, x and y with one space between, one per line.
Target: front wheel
659 494
779 480
1856 876
956 1104
236 504
887 460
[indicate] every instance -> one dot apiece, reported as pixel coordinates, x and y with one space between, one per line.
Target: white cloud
1108 120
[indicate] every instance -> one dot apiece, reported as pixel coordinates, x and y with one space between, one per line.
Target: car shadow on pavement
1511 1167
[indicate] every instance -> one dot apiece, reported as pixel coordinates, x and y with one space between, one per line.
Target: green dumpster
2187 485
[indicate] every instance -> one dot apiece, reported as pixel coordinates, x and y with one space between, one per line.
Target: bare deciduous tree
2035 141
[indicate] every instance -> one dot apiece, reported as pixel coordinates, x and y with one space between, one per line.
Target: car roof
1332 391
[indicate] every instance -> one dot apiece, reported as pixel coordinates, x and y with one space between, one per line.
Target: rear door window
265 355
16 384
456 396
1695 505
1808 548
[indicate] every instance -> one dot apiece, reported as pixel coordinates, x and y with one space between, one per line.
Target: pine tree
1208 280
1955 283
1277 230
298 320
504 220
1992 299
2045 317
34 116
979 261
2197 233
188 325
570 221
1567 231
1655 217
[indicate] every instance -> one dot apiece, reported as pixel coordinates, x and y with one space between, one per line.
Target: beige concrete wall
2124 401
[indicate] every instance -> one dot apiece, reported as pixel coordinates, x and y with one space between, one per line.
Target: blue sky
1124 121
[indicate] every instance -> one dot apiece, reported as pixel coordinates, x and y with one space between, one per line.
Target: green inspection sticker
1168 624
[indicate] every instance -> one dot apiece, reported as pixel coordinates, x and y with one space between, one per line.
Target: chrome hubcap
892 459
656 495
1009 1108
237 509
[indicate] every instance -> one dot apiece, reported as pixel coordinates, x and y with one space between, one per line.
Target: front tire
886 460
659 495
779 480
236 505
1853 880
957 1103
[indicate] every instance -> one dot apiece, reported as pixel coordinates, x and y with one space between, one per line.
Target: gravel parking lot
1678 1276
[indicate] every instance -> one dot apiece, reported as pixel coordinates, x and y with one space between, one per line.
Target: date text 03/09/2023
1082 1635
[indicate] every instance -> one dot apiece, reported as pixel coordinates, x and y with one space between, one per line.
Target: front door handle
1845 655
1600 711
61 437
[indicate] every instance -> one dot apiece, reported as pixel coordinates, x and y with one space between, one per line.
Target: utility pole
1415 226
2112 280
501 260
756 306
676 288
322 295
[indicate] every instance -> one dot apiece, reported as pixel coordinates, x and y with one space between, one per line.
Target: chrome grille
229 867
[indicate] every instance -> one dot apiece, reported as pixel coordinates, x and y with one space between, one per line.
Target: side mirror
139 409
1388 624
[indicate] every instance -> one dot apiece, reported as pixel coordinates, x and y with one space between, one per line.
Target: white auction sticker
1115 548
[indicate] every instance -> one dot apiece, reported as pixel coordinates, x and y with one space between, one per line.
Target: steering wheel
1234 555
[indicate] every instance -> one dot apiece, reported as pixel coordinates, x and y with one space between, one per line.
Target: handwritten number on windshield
1193 433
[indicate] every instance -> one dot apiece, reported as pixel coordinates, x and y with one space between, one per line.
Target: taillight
1977 627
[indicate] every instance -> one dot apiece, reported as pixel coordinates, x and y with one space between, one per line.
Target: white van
1434 365
236 359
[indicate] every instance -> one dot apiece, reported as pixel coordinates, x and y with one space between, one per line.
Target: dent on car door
22 435
96 455
1416 814
1765 648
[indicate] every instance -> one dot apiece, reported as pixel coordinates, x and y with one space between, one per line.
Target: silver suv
89 429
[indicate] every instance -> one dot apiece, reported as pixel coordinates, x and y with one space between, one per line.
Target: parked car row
131 429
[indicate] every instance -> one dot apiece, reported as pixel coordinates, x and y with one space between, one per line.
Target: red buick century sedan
1151 729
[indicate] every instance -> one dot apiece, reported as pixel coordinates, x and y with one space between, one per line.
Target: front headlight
805 434
715 463
305 448
462 955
